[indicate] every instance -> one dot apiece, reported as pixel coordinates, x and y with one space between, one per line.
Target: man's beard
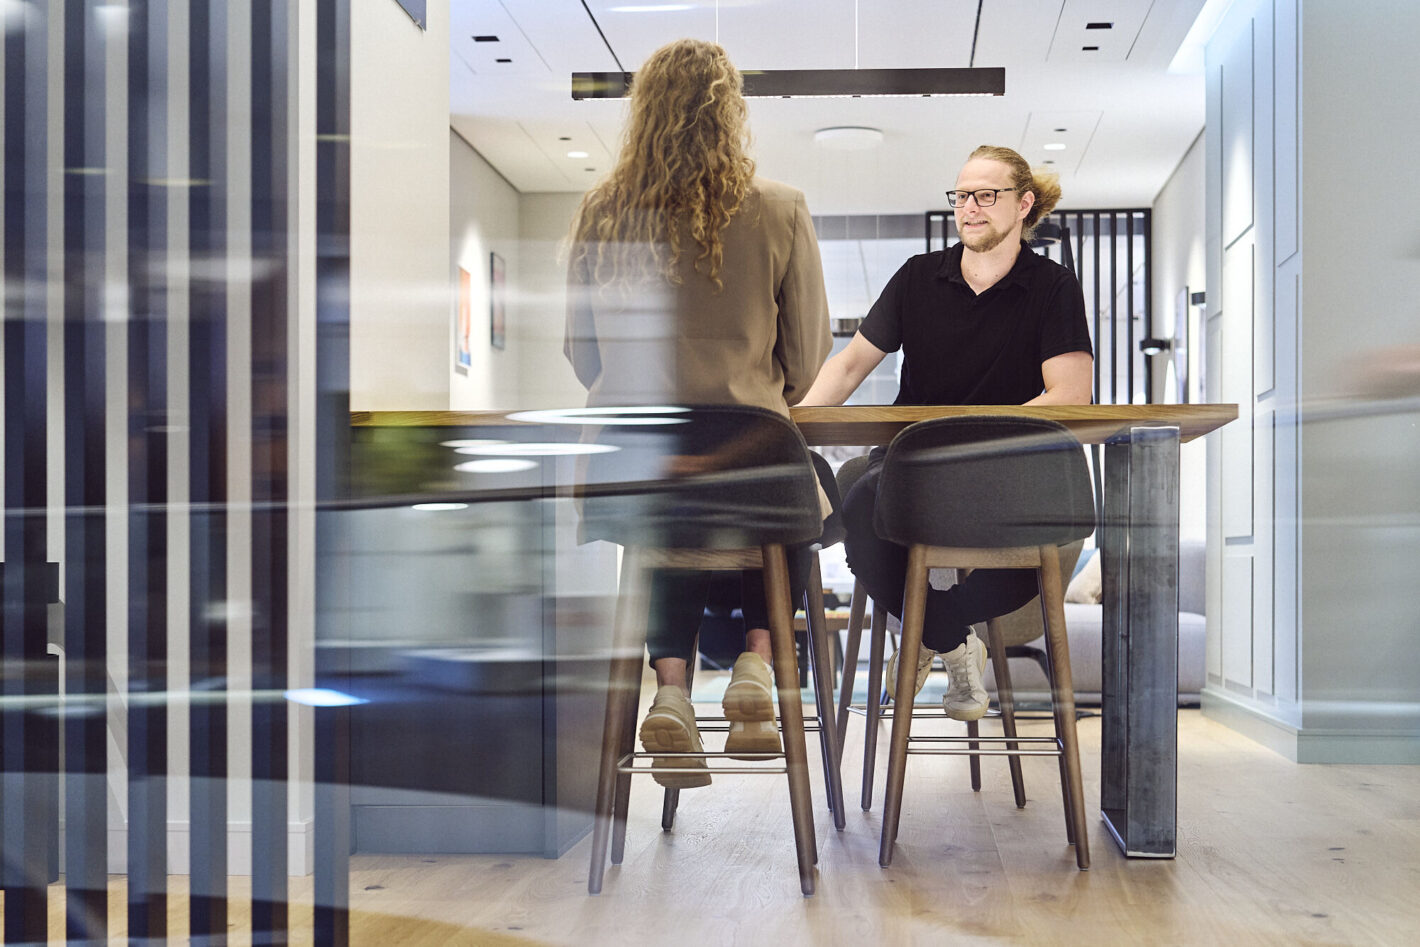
986 241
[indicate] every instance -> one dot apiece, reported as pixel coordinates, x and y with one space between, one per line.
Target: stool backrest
992 482
705 477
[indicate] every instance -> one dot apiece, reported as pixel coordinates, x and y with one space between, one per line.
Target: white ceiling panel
1092 31
1129 122
1072 129
909 34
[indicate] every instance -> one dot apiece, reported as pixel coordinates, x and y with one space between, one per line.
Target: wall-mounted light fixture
1155 346
819 83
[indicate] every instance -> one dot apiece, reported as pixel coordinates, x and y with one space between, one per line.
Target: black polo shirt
961 348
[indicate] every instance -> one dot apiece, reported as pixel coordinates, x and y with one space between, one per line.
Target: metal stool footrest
627 763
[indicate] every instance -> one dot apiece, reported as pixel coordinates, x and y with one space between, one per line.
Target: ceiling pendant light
824 83
821 83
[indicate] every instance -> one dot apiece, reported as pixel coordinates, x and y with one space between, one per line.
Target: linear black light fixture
807 83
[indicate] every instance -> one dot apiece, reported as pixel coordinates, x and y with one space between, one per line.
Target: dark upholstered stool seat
710 488
986 492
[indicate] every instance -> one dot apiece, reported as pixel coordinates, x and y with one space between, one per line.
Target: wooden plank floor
1269 852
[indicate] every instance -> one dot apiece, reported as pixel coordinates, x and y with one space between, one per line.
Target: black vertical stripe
1147 222
1095 243
332 765
270 412
28 766
1112 288
147 472
1129 285
207 365
85 374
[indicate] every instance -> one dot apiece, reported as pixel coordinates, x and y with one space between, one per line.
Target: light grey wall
1177 255
483 220
400 297
546 379
1314 514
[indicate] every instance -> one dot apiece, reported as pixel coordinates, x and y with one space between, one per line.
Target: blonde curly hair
683 170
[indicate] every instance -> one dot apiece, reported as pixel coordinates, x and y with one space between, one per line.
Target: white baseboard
300 848
1387 740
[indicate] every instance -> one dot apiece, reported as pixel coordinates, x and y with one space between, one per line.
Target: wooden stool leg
913 607
1062 689
623 695
973 729
877 644
850 659
1046 664
671 798
791 711
1006 699
622 800
821 653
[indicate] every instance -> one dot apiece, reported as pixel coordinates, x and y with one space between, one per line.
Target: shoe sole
667 733
748 702
966 713
890 678
753 737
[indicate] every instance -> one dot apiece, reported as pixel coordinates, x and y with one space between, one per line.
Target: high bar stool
986 492
755 494
873 707
1006 637
820 656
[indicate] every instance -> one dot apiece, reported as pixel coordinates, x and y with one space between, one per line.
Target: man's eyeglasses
984 197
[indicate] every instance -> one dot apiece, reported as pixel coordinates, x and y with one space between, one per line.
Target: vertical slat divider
270 454
332 765
86 582
207 362
147 472
26 778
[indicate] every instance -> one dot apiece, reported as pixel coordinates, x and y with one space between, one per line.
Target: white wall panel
1263 550
1236 625
1287 165
1262 202
1234 368
1236 137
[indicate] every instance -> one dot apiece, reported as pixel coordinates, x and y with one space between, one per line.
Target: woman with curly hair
692 281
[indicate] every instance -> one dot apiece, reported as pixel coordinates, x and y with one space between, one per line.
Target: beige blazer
759 341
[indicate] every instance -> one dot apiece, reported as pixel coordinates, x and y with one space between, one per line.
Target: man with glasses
986 321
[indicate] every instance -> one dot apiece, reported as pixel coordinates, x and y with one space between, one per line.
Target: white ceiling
1127 120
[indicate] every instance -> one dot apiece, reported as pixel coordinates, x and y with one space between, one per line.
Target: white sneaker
966 696
924 667
749 706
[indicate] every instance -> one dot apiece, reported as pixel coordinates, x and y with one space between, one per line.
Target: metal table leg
1139 690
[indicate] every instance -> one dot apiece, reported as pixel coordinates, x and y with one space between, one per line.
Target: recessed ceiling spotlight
1090 49
569 137
502 60
1058 130
1055 146
486 38
848 137
577 154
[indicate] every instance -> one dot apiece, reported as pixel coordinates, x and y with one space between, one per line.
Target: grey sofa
1085 623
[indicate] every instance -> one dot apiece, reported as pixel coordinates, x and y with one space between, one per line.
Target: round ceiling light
848 138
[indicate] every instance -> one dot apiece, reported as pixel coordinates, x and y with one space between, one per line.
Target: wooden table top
865 425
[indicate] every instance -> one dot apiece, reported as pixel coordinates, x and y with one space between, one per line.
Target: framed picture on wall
497 302
463 323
